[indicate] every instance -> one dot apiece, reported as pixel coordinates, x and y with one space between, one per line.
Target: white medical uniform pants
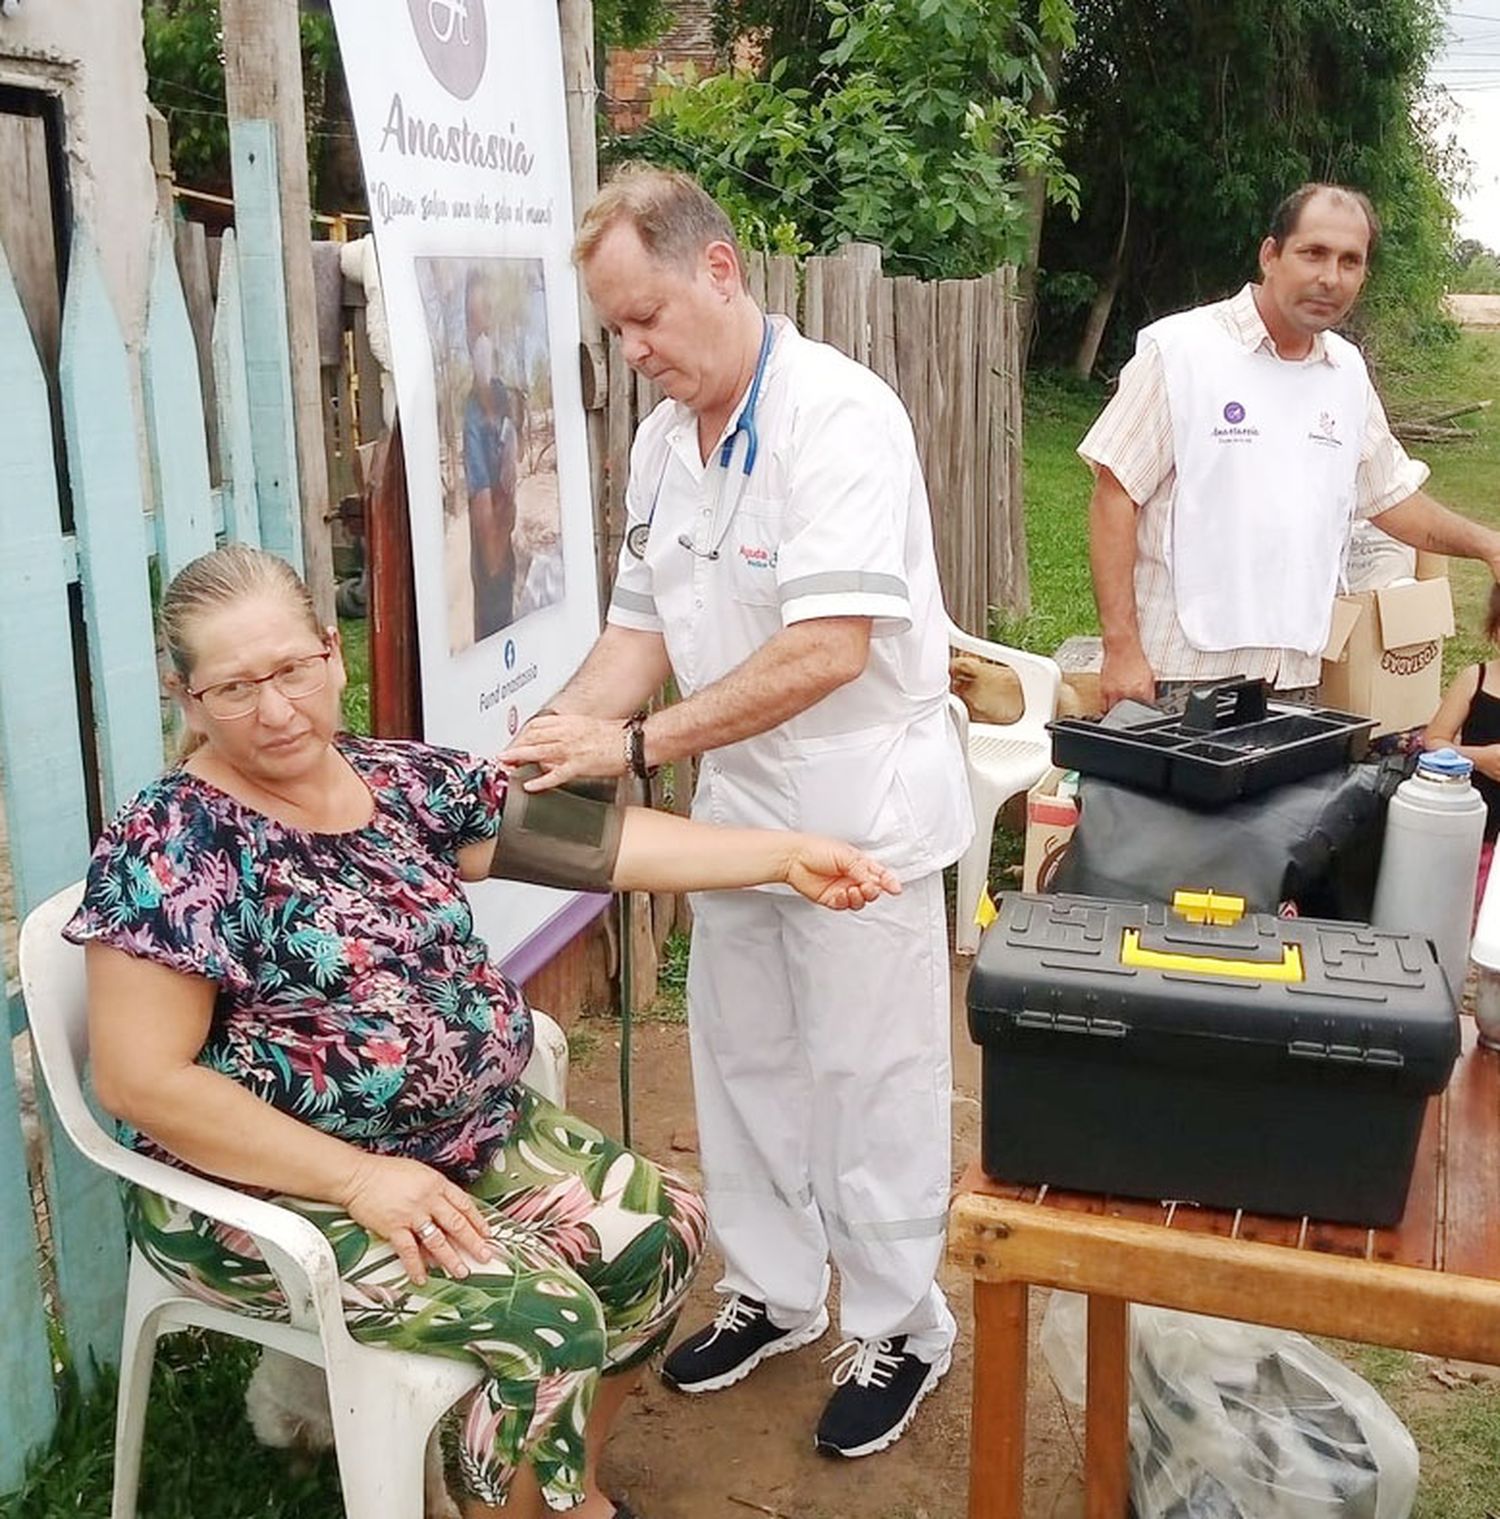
823 1077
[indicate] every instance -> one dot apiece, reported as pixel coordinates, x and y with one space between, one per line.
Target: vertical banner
458 105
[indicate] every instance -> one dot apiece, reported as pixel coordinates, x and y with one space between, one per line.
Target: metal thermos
1434 829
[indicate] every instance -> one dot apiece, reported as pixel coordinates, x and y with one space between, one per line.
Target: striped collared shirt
1132 438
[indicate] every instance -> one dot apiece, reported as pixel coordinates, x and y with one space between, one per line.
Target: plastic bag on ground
1238 1421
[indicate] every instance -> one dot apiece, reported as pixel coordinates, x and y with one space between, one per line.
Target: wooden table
1430 1284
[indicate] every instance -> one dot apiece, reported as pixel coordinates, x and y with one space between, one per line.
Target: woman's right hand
422 1214
837 875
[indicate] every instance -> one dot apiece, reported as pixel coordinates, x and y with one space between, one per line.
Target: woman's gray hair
217 580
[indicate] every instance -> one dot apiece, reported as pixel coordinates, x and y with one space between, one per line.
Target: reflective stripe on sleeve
633 601
843 583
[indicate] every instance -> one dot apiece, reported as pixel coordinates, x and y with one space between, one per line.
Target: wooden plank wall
83 584
950 350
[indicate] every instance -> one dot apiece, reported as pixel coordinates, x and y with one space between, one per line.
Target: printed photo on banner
486 320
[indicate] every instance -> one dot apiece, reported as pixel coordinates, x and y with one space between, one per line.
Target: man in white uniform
1243 442
778 564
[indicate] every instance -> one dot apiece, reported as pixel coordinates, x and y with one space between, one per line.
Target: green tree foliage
1478 268
1200 116
629 23
185 80
912 133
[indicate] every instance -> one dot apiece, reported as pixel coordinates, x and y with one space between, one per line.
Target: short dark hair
1286 216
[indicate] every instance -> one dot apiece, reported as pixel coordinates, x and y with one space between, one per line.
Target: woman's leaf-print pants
595 1249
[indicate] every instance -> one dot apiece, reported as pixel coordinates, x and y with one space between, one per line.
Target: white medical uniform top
832 522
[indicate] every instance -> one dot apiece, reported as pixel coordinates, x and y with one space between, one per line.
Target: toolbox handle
1226 704
1139 956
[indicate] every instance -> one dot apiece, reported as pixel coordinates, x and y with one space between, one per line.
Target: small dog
286 1401
992 692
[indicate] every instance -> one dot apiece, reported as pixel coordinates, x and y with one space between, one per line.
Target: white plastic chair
384 1402
1003 759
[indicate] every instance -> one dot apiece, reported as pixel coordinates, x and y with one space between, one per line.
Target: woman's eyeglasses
239 698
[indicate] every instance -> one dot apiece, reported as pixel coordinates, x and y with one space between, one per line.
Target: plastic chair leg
973 874
381 1425
137 1356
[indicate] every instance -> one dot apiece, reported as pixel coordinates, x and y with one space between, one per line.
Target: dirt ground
748 1450
1475 310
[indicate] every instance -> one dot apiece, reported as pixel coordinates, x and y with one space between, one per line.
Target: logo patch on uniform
757 556
1234 413
1327 431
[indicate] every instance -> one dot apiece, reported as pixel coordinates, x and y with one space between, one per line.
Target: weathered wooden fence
951 351
349 373
80 711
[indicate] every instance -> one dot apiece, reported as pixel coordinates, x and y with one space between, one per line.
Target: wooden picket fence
81 721
951 350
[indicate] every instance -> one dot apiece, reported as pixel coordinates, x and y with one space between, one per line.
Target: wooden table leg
1106 1474
997 1435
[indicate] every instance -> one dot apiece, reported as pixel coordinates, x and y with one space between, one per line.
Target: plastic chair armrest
299 1256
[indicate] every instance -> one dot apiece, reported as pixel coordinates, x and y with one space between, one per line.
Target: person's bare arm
1112 529
660 851
621 673
789 673
1447 723
147 1025
1427 524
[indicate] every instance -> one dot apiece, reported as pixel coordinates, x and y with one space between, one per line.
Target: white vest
1266 455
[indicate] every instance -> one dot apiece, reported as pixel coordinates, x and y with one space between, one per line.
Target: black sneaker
739 1339
876 1393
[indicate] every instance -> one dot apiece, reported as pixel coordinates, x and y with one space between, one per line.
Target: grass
201 1456
1457 1431
354 637
670 1005
1465 475
1057 482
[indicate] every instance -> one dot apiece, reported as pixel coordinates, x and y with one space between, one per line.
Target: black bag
1315 843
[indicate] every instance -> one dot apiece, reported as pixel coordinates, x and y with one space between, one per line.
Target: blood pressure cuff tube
568 839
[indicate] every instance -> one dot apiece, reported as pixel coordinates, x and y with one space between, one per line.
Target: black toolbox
1279 1065
1228 742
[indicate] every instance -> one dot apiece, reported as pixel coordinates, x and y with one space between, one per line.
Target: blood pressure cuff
564 838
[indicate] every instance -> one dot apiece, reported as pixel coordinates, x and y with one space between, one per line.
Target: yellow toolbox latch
1208 907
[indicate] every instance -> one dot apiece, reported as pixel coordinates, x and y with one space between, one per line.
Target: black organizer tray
1230 742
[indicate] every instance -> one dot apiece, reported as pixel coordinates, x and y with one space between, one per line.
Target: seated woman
286 991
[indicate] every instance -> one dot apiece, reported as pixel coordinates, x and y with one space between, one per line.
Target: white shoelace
734 1314
869 1363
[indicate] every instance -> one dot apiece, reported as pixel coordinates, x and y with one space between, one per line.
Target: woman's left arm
660 851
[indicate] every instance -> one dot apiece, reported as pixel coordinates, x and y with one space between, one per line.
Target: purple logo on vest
1234 413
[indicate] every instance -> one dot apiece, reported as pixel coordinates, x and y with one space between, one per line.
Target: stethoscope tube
744 423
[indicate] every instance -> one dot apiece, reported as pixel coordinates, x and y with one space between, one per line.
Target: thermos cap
1444 765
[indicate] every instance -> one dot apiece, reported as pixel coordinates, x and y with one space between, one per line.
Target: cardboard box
1385 653
1050 820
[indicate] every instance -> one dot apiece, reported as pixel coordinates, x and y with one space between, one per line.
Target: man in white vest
1243 443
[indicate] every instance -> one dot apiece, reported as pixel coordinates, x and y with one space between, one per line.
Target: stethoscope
636 538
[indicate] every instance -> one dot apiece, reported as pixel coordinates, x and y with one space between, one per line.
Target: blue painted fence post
46 823
173 394
268 364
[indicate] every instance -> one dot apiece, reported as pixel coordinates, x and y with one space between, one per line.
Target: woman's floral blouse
352 992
